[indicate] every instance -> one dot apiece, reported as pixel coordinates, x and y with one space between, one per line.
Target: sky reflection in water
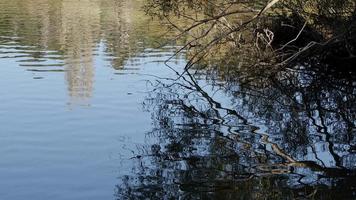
77 76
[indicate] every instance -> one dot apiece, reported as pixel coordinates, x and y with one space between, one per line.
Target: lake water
90 110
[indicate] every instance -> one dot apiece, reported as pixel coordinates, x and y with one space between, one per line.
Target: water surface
73 79
90 110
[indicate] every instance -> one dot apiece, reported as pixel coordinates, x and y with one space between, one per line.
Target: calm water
72 86
89 110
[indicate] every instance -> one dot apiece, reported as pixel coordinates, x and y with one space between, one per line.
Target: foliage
277 31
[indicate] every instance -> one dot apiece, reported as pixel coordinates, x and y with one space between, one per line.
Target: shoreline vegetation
273 33
287 130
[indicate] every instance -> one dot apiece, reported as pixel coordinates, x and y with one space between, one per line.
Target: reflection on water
264 134
225 133
64 36
80 21
72 82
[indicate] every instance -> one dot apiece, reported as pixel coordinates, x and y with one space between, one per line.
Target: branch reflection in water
249 134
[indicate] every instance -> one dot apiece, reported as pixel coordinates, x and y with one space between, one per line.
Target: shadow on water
249 134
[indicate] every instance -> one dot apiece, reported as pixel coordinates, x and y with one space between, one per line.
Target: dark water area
284 135
90 109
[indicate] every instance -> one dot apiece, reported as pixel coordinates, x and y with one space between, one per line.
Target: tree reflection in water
275 134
